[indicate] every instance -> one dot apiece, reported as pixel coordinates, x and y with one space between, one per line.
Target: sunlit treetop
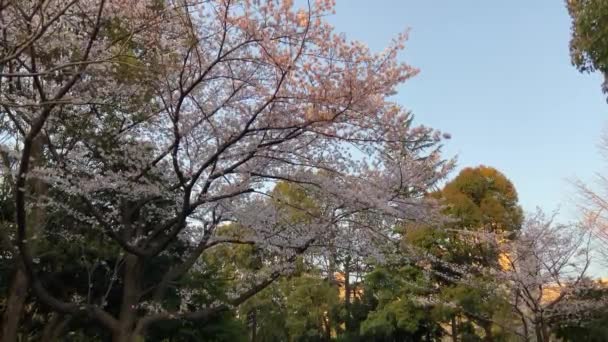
483 197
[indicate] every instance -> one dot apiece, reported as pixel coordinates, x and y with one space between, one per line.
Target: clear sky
497 76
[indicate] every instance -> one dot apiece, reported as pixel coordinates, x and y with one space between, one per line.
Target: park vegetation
235 170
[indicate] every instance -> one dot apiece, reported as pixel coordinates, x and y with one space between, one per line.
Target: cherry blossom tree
45 49
151 124
542 267
593 204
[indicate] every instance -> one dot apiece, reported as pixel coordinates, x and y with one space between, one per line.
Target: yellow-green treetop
482 197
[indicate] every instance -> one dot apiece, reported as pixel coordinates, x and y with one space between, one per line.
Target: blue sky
497 76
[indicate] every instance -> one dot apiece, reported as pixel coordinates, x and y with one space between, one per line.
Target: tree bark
347 294
254 326
14 305
487 328
19 287
55 327
525 326
327 329
539 335
130 299
454 329
541 330
545 331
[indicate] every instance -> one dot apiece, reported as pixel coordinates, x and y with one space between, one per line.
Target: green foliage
398 313
593 331
592 325
298 308
481 303
479 199
309 303
483 198
224 327
267 314
589 43
296 200
307 306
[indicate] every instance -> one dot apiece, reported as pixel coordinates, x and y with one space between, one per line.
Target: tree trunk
545 331
541 330
130 300
327 329
539 335
331 277
254 326
487 328
54 327
347 294
454 329
525 326
14 306
17 295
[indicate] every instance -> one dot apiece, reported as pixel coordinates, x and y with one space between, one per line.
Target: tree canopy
236 170
589 42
